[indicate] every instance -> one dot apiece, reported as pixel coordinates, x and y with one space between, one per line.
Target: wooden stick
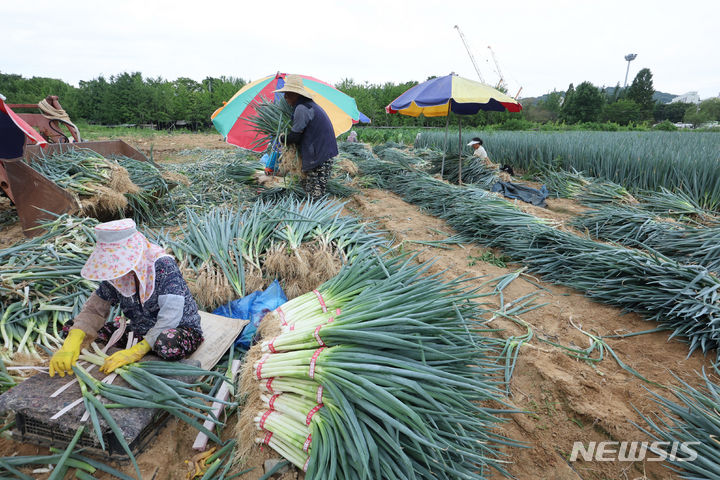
223 393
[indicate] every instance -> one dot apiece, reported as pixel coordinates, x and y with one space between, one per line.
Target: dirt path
568 399
165 148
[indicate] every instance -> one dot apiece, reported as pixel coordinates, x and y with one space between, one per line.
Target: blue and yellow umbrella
439 96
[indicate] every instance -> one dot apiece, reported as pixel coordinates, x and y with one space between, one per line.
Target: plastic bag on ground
253 307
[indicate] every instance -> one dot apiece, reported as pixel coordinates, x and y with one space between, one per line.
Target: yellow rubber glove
123 357
64 359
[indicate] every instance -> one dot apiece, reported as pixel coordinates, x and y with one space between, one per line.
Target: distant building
689 97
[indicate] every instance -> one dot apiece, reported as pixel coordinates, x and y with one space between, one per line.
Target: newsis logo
634 451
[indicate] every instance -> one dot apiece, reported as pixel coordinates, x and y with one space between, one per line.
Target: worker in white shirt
477 145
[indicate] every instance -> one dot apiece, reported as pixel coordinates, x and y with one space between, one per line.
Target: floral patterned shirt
171 294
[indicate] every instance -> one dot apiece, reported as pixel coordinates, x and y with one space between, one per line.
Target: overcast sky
539 45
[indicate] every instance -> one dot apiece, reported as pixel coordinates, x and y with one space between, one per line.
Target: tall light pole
629 57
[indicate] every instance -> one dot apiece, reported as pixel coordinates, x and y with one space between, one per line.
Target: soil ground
566 400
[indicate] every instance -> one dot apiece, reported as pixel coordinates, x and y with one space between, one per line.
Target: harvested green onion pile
106 187
587 190
98 184
154 186
691 417
210 181
638 228
41 286
683 298
473 171
677 205
227 252
380 373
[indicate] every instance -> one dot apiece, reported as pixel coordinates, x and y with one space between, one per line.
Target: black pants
315 181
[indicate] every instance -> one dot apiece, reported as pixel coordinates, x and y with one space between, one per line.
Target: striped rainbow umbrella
231 120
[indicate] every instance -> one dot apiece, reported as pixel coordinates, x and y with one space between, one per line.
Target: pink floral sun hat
121 249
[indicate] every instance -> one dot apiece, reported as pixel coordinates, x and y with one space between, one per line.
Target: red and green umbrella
231 120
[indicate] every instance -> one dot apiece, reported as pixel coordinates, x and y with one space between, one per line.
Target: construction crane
501 83
472 57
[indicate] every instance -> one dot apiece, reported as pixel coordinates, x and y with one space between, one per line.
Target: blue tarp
523 192
253 307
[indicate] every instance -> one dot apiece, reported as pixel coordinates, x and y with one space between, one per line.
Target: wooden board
219 332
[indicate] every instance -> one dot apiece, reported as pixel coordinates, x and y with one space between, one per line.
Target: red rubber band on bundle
313 360
312 412
316 334
306 464
268 385
268 436
320 299
319 394
258 370
281 314
292 327
308 441
271 346
265 417
272 400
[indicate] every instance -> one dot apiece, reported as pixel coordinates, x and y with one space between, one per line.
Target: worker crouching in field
313 132
147 285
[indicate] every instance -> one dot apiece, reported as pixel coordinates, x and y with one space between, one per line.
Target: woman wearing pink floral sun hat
147 285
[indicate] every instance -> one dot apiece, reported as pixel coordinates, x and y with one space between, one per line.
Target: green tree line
622 106
129 98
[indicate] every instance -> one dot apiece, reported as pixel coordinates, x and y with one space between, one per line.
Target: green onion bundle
677 205
587 190
271 119
388 387
473 171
